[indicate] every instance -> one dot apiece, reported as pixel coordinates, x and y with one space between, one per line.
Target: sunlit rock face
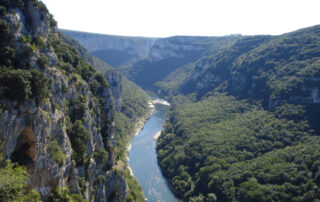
28 127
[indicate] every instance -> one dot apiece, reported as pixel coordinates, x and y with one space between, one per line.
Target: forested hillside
268 68
223 149
244 122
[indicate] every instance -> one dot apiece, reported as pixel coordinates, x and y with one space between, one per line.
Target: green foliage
101 155
55 151
136 194
134 100
290 111
40 5
37 43
13 184
6 51
70 59
82 185
79 107
100 65
26 39
39 86
223 149
123 127
79 136
53 23
98 84
16 84
12 4
62 195
22 85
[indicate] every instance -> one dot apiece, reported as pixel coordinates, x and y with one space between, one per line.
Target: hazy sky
161 18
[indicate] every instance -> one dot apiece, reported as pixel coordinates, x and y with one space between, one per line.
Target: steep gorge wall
78 102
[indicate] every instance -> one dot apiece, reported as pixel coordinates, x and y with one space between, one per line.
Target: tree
13 184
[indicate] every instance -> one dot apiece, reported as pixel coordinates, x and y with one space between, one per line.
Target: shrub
39 86
101 155
13 184
62 195
42 61
82 185
56 152
22 85
53 23
16 84
6 51
37 42
79 108
78 137
26 39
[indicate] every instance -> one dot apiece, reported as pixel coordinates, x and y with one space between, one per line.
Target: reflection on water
143 159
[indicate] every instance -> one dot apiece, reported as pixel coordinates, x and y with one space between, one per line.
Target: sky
163 18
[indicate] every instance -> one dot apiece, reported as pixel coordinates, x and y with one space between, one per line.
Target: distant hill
117 51
264 67
148 60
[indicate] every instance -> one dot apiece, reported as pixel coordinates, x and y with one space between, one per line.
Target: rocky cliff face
114 79
114 50
63 133
177 47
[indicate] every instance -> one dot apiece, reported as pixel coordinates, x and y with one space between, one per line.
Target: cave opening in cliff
25 151
114 195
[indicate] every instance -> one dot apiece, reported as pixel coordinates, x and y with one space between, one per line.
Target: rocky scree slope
57 112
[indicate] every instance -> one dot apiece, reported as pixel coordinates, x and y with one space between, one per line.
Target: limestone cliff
56 111
114 50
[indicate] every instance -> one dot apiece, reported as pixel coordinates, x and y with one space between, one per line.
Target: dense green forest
224 149
244 121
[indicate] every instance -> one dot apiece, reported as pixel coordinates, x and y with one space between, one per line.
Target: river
143 159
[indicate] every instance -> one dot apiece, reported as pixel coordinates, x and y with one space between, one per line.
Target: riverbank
137 129
141 122
157 135
143 158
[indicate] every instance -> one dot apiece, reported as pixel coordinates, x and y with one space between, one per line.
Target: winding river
143 158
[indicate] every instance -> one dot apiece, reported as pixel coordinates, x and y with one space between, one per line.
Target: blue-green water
143 159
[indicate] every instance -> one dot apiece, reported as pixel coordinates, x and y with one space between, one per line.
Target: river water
143 159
